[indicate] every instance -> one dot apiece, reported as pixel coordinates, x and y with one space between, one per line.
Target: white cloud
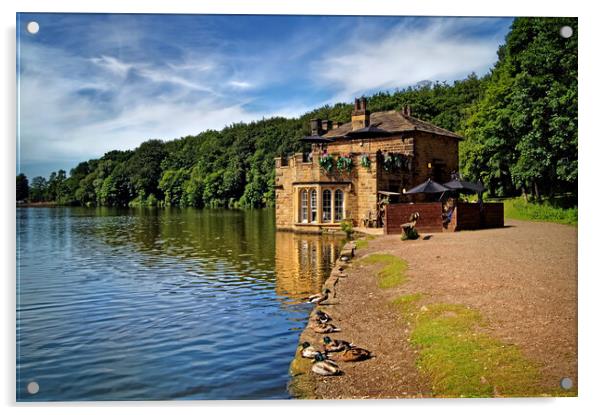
240 84
112 64
404 56
71 110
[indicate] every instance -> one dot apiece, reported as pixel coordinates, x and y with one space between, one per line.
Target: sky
91 83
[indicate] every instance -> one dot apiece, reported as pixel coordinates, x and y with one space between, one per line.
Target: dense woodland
519 123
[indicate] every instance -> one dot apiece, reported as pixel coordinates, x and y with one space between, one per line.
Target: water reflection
161 304
303 262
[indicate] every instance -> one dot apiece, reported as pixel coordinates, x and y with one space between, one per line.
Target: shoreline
508 294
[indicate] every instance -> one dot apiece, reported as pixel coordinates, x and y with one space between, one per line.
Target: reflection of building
303 262
351 164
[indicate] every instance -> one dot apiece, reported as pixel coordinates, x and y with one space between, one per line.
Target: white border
590 204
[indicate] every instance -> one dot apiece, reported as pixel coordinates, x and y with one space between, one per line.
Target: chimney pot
360 117
316 126
326 125
363 103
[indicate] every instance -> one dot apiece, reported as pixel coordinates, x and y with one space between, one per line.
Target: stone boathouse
353 168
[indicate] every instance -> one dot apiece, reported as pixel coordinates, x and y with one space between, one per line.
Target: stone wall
362 184
437 150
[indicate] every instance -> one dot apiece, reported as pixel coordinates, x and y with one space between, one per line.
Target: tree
22 187
38 191
144 168
523 134
172 184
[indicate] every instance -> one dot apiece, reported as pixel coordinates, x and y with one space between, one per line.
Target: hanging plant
365 161
345 163
326 162
395 162
388 163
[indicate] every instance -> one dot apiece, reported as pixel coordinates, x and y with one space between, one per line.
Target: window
338 205
303 206
314 205
326 206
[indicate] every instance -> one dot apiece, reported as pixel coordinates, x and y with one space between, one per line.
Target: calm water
160 304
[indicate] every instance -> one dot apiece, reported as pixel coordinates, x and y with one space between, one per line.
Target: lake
138 304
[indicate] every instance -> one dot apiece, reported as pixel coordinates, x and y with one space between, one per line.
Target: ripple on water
160 304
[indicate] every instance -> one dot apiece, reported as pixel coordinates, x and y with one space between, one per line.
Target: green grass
518 208
393 272
407 303
462 361
361 243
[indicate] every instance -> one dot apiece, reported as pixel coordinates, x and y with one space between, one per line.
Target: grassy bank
460 360
393 272
545 211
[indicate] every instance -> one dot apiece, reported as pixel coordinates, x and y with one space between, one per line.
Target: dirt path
522 279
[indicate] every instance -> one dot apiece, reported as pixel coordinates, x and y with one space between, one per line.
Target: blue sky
90 83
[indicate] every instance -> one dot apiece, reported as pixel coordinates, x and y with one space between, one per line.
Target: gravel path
521 278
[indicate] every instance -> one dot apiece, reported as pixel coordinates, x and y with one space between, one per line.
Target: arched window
303 203
338 205
314 205
326 206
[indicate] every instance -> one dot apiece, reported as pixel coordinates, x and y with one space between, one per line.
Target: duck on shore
319 298
308 351
321 317
354 354
334 345
324 366
323 328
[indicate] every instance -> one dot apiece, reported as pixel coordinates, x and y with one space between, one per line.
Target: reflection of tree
240 242
195 234
303 262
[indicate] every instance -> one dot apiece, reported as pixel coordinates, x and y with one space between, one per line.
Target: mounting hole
566 383
33 388
566 32
33 27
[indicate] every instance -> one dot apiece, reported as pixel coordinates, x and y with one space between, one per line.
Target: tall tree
38 190
523 134
22 187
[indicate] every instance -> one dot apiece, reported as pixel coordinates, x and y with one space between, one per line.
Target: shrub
347 227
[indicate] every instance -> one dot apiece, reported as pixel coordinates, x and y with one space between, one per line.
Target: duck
354 354
333 345
321 317
325 328
308 351
324 366
319 298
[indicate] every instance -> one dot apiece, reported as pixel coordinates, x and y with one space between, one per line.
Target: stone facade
305 192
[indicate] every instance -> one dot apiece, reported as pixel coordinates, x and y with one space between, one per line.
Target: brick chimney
407 110
326 125
360 116
316 126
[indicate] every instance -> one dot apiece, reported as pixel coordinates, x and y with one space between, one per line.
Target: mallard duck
319 298
333 345
325 328
308 351
353 355
325 367
321 317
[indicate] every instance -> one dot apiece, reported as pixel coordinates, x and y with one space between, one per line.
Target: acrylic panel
284 207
